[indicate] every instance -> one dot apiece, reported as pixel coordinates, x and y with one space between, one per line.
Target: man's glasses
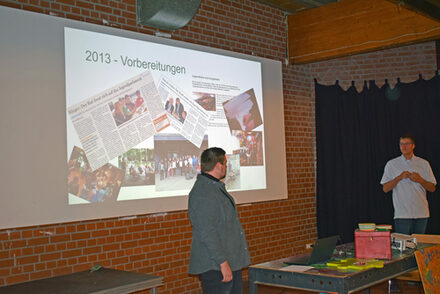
406 144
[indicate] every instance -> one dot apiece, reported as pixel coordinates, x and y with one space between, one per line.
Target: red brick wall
160 244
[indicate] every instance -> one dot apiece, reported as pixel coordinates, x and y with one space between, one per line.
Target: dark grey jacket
217 234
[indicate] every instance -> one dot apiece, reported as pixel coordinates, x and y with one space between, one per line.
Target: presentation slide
139 114
98 122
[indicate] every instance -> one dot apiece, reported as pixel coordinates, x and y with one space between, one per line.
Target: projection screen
98 122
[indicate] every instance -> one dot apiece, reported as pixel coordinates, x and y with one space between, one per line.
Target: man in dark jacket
219 250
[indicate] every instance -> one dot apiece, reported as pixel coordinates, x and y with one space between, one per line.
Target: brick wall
159 244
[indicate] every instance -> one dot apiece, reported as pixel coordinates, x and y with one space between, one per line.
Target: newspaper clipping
186 116
117 119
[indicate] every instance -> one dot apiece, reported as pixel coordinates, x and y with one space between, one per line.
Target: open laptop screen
322 251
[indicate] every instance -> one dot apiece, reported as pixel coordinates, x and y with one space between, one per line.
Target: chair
423 238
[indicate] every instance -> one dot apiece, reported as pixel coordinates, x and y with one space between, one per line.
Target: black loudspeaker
166 14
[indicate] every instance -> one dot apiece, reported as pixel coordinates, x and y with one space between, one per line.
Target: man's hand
388 186
415 177
405 175
226 272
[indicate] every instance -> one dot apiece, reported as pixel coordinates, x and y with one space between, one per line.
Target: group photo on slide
101 185
138 166
177 161
127 107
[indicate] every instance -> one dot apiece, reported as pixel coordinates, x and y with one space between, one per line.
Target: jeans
212 283
410 226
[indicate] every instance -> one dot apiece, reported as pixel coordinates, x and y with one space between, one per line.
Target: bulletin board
428 261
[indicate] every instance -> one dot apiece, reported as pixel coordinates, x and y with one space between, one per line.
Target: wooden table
104 280
326 279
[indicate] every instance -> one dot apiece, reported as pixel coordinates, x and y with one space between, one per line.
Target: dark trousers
410 226
212 283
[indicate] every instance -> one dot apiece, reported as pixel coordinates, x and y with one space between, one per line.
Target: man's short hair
408 136
210 157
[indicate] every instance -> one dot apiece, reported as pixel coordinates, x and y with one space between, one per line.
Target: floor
402 287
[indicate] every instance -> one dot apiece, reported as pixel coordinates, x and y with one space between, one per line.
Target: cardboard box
373 244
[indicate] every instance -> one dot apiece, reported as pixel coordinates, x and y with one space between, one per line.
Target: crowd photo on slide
101 185
138 167
177 161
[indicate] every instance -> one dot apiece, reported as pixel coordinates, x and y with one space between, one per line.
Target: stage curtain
356 134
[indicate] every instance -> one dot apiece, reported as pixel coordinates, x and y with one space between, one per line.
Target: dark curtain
356 134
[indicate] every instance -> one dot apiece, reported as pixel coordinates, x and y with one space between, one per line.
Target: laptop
321 252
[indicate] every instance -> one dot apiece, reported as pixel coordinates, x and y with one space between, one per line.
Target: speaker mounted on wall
166 14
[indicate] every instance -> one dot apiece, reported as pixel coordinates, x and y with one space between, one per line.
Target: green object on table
95 268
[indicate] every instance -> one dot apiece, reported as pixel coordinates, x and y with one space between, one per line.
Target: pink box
373 244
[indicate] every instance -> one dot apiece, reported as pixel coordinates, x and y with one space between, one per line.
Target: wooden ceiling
294 6
427 7
325 29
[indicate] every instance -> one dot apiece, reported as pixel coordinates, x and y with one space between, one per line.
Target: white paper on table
296 268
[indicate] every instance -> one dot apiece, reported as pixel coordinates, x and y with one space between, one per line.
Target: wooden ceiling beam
426 7
351 27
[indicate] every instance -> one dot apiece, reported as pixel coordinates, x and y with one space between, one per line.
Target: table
102 281
329 280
